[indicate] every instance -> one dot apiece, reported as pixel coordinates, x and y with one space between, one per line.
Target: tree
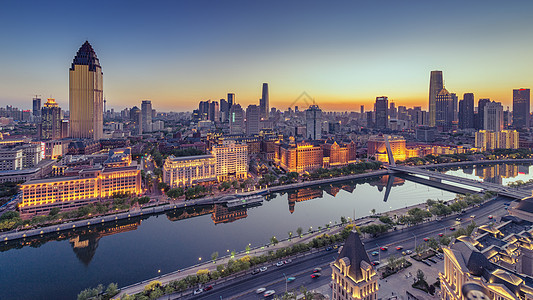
54 211
343 220
274 240
299 231
373 211
420 276
112 290
143 200
214 256
290 234
247 248
175 192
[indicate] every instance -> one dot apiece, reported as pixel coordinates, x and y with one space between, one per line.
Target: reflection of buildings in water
523 169
189 212
495 173
85 245
349 187
468 170
223 214
332 190
383 180
303 194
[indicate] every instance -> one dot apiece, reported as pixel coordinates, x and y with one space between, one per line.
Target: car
315 275
426 239
263 269
269 293
288 261
452 228
472 216
409 252
208 288
255 271
399 248
375 253
329 249
458 219
260 290
317 270
384 248
375 262
198 291
491 216
279 264
441 234
404 253
291 279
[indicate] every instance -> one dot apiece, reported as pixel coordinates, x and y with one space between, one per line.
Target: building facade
436 84
377 147
51 121
236 119
253 120
86 95
521 108
264 102
146 111
493 116
489 140
231 160
299 157
313 119
381 109
189 170
466 111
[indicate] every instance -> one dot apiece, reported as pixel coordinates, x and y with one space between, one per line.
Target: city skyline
177 54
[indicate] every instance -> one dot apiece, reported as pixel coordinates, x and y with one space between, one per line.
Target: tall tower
86 95
264 102
146 110
436 84
521 107
481 112
466 111
51 121
36 107
444 110
253 120
382 112
493 117
313 118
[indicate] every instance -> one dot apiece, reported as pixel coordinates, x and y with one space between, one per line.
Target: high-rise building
381 109
253 119
362 109
231 100
36 107
224 110
393 111
264 102
521 108
481 112
203 109
51 121
370 119
214 112
136 118
444 110
236 119
86 95
493 116
436 84
313 119
466 111
146 110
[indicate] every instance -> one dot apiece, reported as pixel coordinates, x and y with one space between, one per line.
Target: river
61 265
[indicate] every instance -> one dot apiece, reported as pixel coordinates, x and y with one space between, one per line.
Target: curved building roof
86 56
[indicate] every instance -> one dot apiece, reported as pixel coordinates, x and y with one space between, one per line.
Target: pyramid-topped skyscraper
86 100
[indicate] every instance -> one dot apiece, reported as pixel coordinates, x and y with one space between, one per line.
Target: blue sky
342 53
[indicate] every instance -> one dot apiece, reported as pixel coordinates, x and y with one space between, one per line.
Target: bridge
441 179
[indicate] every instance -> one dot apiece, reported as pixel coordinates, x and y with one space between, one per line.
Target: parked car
409 252
279 264
441 234
315 275
375 253
375 263
208 288
452 228
399 248
263 269
458 219
260 290
404 253
491 217
269 293
426 239
384 248
255 271
291 279
472 216
317 270
288 261
198 291
329 249
432 260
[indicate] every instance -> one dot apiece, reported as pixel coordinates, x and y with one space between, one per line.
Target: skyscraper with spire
86 95
264 102
436 84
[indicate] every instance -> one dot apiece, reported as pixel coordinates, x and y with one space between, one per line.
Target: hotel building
66 193
189 170
489 140
300 157
231 160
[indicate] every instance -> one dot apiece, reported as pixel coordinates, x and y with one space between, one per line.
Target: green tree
214 256
299 231
112 290
274 240
420 276
247 248
373 211
290 234
343 220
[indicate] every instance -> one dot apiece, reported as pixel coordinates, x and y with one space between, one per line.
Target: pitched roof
355 252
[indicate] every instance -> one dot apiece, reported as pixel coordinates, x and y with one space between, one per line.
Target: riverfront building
231 160
66 193
377 148
489 140
189 170
353 276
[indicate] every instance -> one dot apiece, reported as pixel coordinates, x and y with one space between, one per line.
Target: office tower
466 111
236 119
313 119
521 107
253 119
370 119
362 109
214 112
137 118
231 100
264 102
481 113
493 116
444 110
506 118
51 121
86 95
224 110
36 107
436 84
454 109
146 110
393 111
203 109
382 116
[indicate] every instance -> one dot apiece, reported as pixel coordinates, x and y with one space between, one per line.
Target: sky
342 53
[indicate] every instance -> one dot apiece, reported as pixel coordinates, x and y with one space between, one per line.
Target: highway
273 278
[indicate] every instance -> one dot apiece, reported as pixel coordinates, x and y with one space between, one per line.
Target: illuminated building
51 121
521 106
489 140
118 158
300 157
444 114
86 95
508 139
436 84
231 160
339 154
313 119
91 185
381 108
353 277
377 148
222 214
493 116
236 119
189 170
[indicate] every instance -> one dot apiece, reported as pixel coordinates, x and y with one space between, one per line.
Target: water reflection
494 173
